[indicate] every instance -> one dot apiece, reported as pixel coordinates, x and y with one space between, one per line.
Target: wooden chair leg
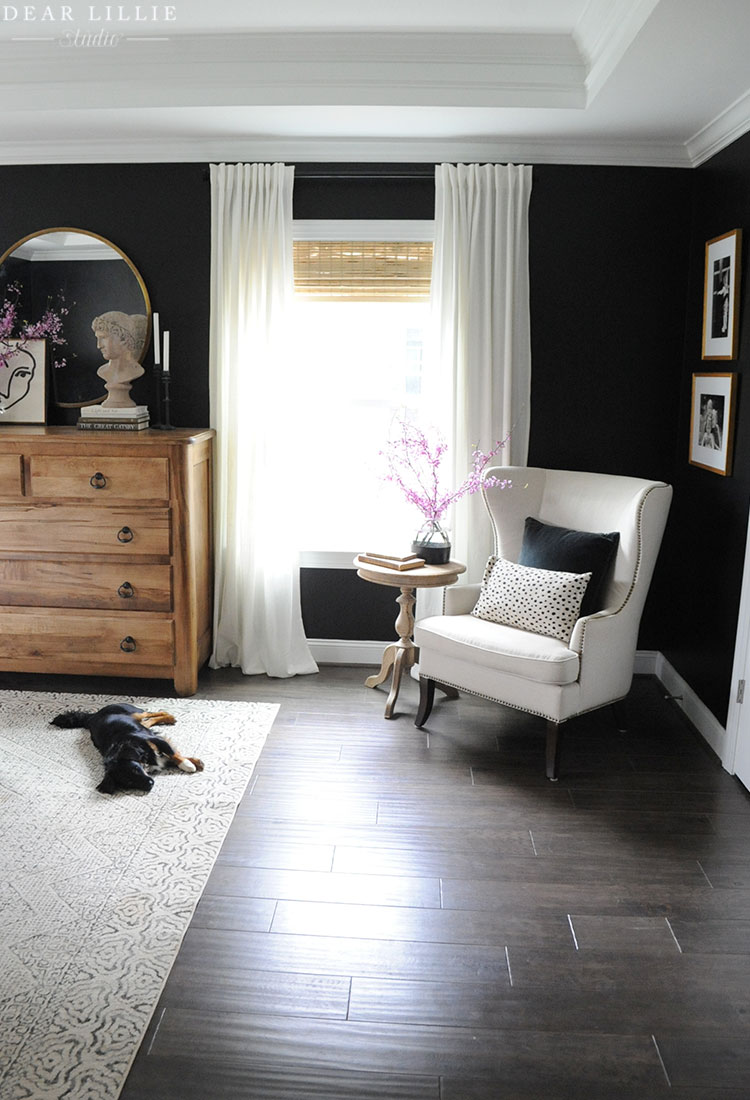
448 691
426 699
554 737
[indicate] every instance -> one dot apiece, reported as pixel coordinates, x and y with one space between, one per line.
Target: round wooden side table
401 655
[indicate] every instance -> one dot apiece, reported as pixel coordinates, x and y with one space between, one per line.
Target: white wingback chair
531 672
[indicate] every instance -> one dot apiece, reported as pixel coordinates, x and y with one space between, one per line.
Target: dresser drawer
114 587
98 641
11 476
67 528
99 479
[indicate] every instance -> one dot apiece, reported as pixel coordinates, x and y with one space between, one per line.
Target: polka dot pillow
542 601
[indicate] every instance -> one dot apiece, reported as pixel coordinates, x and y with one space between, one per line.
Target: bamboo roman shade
363 271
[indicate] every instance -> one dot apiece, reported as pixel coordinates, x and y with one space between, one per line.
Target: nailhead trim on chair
527 710
491 699
638 560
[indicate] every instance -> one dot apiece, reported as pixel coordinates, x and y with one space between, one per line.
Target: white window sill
328 559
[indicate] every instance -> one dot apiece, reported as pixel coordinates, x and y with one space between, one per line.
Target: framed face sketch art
721 296
712 422
23 381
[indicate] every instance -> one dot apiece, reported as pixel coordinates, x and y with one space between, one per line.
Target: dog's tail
72 720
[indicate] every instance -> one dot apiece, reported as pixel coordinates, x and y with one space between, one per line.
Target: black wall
616 265
608 256
705 541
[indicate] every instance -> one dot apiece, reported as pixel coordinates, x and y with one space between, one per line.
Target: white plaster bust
120 337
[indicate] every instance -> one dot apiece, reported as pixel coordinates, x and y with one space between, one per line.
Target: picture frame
721 296
23 381
712 420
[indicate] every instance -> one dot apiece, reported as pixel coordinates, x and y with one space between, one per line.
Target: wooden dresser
105 552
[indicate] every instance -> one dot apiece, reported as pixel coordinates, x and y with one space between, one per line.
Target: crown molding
404 150
727 127
604 33
337 68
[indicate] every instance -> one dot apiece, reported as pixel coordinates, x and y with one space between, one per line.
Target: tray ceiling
663 82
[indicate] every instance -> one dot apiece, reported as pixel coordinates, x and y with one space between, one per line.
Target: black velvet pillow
548 547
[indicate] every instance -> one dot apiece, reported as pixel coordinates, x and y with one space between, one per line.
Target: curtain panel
480 300
257 615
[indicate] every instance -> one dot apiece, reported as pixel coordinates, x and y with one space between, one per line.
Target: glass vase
432 543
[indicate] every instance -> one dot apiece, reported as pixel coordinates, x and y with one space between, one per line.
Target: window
361 317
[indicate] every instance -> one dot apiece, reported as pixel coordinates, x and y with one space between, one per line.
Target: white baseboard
696 710
334 651
648 662
645 662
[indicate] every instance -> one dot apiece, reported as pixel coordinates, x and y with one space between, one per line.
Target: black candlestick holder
164 425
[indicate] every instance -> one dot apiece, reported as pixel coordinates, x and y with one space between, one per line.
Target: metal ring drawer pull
127 645
98 481
126 590
124 535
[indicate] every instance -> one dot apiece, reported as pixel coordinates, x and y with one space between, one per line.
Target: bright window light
357 365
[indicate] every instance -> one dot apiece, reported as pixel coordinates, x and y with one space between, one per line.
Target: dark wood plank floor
420 915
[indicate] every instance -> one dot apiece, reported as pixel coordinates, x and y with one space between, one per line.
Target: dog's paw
198 763
186 765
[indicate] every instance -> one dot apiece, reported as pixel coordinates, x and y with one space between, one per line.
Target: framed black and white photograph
23 381
721 296
712 422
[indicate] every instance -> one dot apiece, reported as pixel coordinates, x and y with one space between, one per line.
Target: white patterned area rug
96 891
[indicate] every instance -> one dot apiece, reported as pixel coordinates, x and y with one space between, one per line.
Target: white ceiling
659 82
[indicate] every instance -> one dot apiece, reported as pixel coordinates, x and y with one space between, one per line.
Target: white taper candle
157 349
165 364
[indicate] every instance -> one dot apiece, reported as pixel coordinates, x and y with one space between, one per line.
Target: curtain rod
302 175
426 172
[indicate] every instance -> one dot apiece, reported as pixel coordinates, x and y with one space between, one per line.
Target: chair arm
461 599
606 643
576 638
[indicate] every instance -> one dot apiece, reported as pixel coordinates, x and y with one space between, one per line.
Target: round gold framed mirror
79 276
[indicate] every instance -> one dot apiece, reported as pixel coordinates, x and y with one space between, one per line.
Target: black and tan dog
121 733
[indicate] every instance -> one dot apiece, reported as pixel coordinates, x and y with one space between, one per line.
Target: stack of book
392 561
98 418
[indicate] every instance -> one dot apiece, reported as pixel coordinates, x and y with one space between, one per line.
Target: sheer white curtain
480 297
257 616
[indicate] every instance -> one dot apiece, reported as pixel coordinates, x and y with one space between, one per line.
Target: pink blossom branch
413 464
49 327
